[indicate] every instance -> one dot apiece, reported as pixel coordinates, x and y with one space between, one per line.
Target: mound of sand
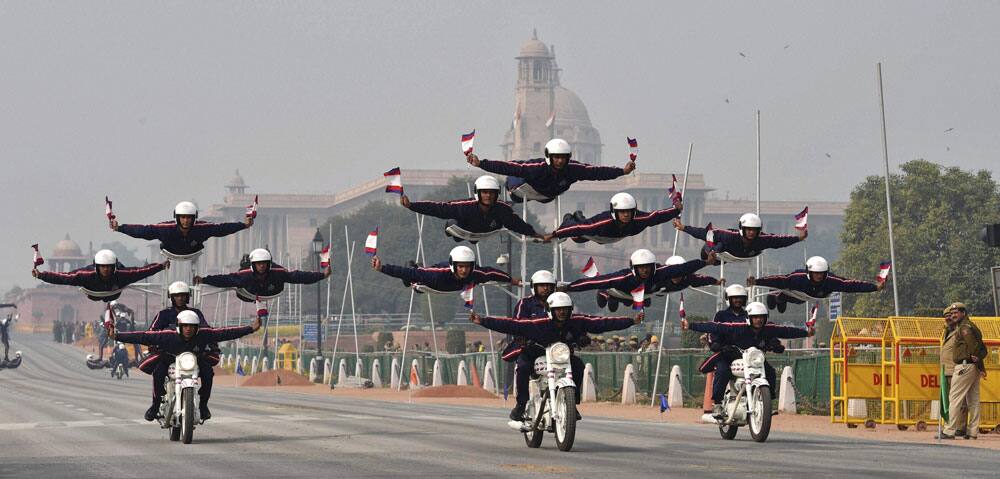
270 378
452 391
221 371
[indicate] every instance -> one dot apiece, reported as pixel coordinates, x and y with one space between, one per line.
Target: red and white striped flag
883 271
709 236
590 269
681 312
639 297
371 243
551 120
812 316
37 256
324 257
109 317
633 148
468 142
107 209
802 220
395 181
675 194
252 209
261 308
467 295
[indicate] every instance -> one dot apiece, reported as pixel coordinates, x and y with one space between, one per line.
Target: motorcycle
552 406
178 411
118 371
747 401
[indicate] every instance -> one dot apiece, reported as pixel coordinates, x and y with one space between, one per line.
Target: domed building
544 109
67 256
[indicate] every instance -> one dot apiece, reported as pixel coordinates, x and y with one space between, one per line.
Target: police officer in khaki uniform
968 355
948 366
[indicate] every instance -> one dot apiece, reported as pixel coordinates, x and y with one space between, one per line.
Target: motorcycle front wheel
533 438
760 420
187 417
565 412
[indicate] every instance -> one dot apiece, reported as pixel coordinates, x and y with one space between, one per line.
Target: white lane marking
97 414
117 422
82 409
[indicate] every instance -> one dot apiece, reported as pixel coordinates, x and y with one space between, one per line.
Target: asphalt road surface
60 419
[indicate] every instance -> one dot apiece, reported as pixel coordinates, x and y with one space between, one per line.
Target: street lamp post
317 248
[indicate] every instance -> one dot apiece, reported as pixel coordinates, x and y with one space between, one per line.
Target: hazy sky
153 102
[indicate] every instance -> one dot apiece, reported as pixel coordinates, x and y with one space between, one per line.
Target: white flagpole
343 304
759 257
354 315
409 311
666 303
486 305
888 196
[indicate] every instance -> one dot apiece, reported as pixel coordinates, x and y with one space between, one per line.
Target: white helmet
119 345
461 254
675 260
556 146
187 317
641 257
186 208
106 257
260 254
817 264
750 220
487 182
113 303
736 291
178 287
622 201
559 300
543 277
756 308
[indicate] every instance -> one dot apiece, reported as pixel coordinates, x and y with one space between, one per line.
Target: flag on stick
239 369
945 395
883 271
107 209
633 148
261 308
551 120
467 295
371 243
709 236
324 257
812 316
38 260
802 220
675 194
252 209
680 312
663 403
638 297
590 269
395 181
468 140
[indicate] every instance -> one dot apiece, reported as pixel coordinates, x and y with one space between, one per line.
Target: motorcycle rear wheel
565 409
187 417
760 420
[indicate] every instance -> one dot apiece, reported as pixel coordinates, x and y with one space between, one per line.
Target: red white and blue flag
802 220
371 243
324 257
709 236
107 209
681 312
590 269
37 256
812 316
261 308
675 194
468 142
467 295
252 209
109 317
883 271
633 148
638 297
395 181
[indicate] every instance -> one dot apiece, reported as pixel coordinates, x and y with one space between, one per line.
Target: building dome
569 107
237 185
534 48
67 248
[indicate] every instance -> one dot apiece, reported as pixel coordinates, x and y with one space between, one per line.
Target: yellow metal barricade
989 389
287 356
856 375
910 371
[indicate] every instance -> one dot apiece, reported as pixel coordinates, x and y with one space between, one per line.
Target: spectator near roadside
948 366
968 355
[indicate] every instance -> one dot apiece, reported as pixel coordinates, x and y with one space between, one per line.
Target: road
59 419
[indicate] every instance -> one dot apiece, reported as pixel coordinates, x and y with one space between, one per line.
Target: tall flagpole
888 197
666 304
758 188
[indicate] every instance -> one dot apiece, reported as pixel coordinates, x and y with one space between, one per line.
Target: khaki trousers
964 395
963 414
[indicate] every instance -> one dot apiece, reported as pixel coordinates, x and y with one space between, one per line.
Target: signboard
309 332
834 306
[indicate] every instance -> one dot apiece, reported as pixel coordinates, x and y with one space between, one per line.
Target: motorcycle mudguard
565 382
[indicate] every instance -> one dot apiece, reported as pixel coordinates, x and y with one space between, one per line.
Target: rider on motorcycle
755 332
543 283
188 337
561 325
119 356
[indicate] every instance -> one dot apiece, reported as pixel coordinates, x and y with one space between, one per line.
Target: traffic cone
475 376
706 404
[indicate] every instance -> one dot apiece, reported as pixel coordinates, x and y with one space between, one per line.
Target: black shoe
782 305
517 414
580 418
602 299
647 302
770 301
944 436
612 304
579 216
961 432
152 412
205 413
971 437
567 219
717 411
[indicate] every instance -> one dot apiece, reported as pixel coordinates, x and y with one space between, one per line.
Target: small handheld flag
633 148
812 316
371 243
107 209
883 271
261 308
663 403
680 312
395 181
802 220
37 256
709 236
468 142
551 120
108 317
673 192
239 369
638 297
324 257
590 269
467 295
252 209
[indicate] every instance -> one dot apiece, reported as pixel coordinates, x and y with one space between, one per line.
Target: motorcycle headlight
187 363
755 358
559 353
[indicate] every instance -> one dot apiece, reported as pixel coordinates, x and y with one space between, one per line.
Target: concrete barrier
394 374
342 371
376 374
436 379
675 392
253 366
628 385
786 392
589 392
327 371
314 371
264 363
488 375
415 375
463 375
359 370
298 365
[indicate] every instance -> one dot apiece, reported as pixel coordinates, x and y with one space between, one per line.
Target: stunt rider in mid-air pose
105 279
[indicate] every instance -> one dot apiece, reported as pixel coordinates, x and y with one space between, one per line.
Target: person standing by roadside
969 354
948 368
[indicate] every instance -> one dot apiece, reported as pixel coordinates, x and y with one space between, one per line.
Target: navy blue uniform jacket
470 217
799 281
527 308
267 284
171 342
625 280
88 278
605 225
743 336
545 179
544 331
729 241
167 320
172 240
439 277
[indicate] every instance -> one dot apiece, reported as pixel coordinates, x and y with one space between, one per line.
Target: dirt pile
452 391
272 378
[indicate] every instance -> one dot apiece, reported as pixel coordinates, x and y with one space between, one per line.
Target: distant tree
938 212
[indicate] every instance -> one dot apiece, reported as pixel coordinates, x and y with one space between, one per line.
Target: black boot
602 299
579 216
770 301
612 304
517 414
205 413
153 410
782 305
